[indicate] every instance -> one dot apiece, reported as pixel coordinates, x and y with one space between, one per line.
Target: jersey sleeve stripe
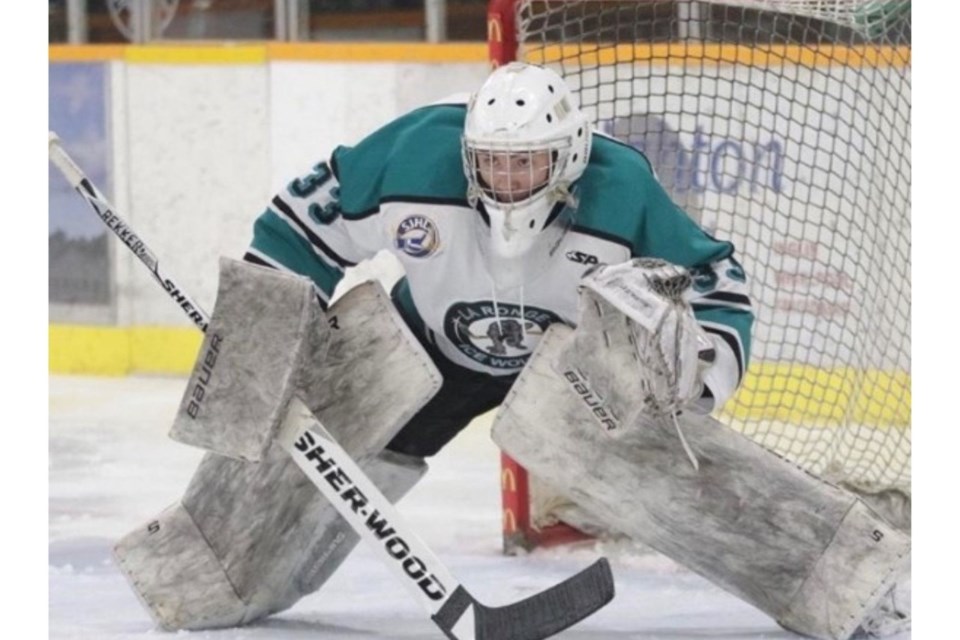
731 324
698 305
255 258
737 299
298 231
314 239
730 337
275 242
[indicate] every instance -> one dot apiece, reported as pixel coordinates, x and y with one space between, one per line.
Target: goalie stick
104 210
454 610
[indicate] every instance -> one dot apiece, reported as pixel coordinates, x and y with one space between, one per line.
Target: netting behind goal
783 126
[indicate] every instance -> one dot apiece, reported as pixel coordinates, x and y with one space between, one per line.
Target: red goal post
783 125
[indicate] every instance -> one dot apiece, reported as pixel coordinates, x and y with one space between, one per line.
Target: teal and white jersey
402 189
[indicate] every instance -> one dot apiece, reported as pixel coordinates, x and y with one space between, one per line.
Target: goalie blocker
811 555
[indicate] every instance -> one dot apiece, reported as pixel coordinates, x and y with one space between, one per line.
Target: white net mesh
787 131
870 17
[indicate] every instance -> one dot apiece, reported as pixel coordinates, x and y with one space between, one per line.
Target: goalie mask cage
784 127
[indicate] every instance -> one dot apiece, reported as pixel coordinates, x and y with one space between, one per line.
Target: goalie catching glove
638 350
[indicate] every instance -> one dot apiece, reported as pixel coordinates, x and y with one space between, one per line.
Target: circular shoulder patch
417 236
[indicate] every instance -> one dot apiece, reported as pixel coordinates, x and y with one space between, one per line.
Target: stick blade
539 616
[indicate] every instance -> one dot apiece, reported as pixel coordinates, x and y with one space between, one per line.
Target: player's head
525 141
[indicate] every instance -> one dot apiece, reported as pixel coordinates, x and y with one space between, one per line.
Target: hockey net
783 126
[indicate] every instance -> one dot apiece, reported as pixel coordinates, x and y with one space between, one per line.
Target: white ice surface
112 467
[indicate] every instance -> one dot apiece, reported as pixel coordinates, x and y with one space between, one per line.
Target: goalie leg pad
271 340
372 376
176 575
226 557
867 573
809 554
267 526
246 370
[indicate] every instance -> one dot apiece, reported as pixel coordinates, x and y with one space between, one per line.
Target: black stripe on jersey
314 238
609 237
249 257
727 296
482 210
554 212
455 202
731 340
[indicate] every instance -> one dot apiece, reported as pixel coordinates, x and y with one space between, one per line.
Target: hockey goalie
546 273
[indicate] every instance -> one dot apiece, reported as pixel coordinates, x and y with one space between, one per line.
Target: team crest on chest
417 236
496 337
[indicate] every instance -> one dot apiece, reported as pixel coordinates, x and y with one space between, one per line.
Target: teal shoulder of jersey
415 157
612 189
621 199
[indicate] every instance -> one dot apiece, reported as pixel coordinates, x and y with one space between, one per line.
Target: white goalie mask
525 142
